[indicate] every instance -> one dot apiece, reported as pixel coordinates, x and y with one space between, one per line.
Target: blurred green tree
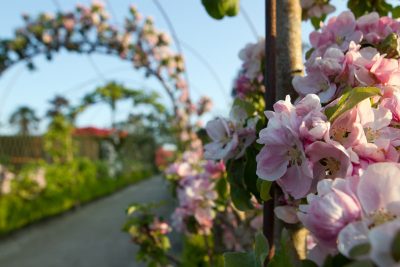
25 120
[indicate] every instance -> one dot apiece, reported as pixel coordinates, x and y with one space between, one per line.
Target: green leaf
250 176
130 210
382 7
362 7
218 9
359 7
308 263
390 46
316 22
261 248
396 12
336 261
396 247
246 106
194 250
362 263
221 188
285 255
309 52
349 100
240 259
265 189
240 196
360 250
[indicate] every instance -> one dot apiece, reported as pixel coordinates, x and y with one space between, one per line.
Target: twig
208 248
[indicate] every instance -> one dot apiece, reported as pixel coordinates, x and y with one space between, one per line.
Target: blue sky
74 75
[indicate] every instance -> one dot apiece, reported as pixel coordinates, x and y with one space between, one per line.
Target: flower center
340 134
380 217
395 124
371 134
332 166
339 40
294 156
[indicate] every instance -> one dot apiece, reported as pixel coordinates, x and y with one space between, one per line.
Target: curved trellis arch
87 30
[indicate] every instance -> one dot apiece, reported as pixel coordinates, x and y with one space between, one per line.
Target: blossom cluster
159 227
251 74
6 178
150 234
356 212
230 136
196 192
348 53
10 180
316 8
344 158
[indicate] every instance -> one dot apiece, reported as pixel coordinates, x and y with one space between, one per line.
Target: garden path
87 237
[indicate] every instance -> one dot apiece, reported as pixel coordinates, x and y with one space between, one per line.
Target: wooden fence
24 149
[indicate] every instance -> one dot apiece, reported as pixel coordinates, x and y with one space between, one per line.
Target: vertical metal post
270 53
270 98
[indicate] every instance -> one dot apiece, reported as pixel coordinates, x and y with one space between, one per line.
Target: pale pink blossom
282 158
315 83
214 168
196 197
314 126
340 30
252 56
224 140
328 212
180 169
375 28
243 86
392 103
379 139
6 177
329 160
230 137
379 195
316 8
39 177
286 213
160 226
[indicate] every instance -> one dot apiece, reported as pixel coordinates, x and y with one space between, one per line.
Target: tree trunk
289 46
288 64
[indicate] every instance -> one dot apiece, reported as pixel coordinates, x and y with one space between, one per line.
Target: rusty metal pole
270 98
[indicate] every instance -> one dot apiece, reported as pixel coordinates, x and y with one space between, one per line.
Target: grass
68 187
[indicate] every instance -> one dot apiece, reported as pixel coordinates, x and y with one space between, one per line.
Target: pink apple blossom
283 158
392 103
224 140
315 8
315 83
160 226
379 139
214 168
340 30
375 29
329 160
328 212
196 197
230 137
379 195
286 213
252 56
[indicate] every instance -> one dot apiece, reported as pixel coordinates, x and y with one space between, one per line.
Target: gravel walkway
87 237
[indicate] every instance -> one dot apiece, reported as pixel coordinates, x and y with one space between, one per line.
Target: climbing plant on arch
87 30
